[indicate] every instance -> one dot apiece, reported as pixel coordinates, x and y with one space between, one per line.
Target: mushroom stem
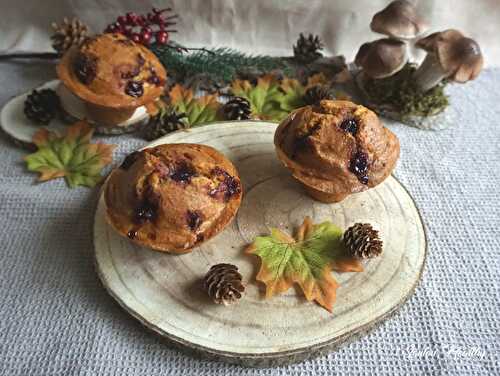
429 73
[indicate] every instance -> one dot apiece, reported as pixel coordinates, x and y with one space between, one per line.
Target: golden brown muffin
336 148
113 75
173 197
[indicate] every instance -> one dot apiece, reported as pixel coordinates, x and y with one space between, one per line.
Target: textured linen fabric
259 26
57 319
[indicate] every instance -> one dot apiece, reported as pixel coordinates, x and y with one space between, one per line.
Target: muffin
336 148
113 76
172 197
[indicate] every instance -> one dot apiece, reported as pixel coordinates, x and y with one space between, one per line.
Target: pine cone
68 34
223 283
41 106
317 93
237 108
362 241
166 121
307 49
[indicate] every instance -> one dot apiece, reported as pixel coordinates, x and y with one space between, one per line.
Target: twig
30 55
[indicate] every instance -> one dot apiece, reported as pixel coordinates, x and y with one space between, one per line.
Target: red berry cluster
145 29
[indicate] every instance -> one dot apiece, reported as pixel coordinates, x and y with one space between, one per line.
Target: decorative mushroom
399 20
382 57
449 55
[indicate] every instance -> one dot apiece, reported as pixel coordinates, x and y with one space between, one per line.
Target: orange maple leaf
306 259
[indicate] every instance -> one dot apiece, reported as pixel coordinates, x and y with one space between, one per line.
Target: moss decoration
400 94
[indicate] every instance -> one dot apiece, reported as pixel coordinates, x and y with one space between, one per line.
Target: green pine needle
219 63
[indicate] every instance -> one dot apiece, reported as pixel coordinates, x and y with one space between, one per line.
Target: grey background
56 318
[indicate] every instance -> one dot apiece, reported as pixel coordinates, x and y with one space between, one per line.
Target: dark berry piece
154 80
140 60
85 67
126 71
193 219
349 125
182 173
134 89
130 160
162 169
147 210
359 166
227 188
132 234
145 213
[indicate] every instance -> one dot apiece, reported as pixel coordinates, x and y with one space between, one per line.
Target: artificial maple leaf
306 259
265 97
294 91
198 110
71 156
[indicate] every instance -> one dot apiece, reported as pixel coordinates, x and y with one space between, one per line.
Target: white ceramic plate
16 125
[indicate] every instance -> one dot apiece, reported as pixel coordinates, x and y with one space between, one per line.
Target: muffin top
112 71
336 147
173 197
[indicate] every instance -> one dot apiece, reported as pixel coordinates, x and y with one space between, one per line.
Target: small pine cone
307 49
166 121
237 108
42 106
362 241
223 284
68 34
317 93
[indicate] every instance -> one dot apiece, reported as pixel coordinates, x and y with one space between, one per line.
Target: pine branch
222 64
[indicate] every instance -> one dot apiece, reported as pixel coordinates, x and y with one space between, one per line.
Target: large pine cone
223 284
68 34
237 108
164 122
362 241
307 49
42 106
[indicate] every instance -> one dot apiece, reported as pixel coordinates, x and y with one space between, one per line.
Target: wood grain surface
163 291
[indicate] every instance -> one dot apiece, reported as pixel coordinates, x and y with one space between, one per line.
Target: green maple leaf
265 98
204 109
307 259
71 156
293 94
294 91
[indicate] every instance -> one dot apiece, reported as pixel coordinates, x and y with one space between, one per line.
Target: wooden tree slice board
163 291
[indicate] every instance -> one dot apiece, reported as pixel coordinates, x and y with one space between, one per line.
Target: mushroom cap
459 56
382 57
399 20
